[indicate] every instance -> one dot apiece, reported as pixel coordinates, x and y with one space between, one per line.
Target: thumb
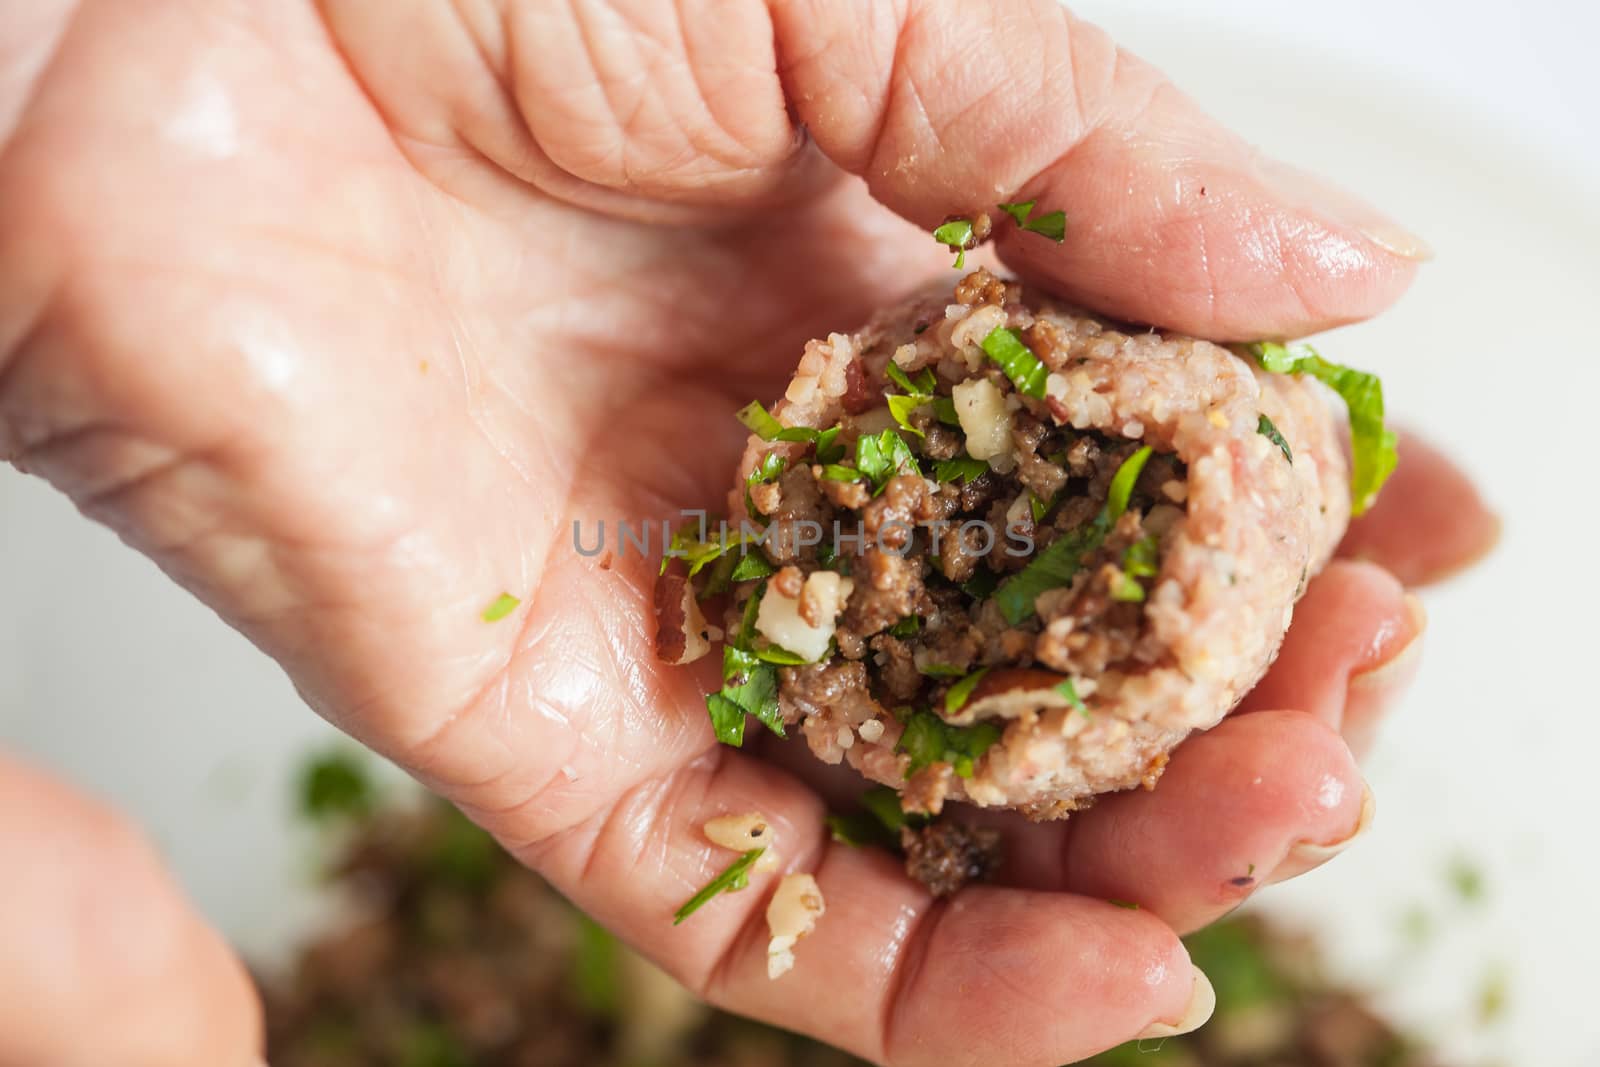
946 106
104 961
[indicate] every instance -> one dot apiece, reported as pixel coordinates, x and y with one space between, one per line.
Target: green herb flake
1126 904
1052 225
1038 507
769 469
780 656
687 546
1017 360
1374 449
827 451
751 565
1126 589
335 786
727 719
901 408
734 877
883 455
982 585
964 469
839 472
749 683
1059 562
1139 559
759 421
1019 211
878 822
1466 878
940 670
957 236
944 409
928 739
922 385
1123 481
1265 428
910 626
595 977
1051 568
1070 692
500 607
961 692
857 829
884 804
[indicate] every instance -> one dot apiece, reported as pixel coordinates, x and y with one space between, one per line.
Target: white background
1477 125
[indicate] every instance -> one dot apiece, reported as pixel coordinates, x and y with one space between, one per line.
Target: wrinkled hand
344 316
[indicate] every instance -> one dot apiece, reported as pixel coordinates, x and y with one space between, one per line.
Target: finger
951 106
635 108
991 976
1354 647
104 961
1428 523
690 110
1256 795
1172 219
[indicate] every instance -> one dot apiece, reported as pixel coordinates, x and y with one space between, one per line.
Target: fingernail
1307 855
1403 660
1202 1002
1396 239
1307 191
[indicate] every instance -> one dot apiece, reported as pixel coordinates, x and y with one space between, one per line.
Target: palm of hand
349 380
438 369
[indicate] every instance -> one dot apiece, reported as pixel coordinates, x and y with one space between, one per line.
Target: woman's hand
345 315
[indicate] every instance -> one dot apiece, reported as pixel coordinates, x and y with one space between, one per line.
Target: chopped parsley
768 470
981 585
759 421
964 469
687 546
336 786
751 565
918 392
1123 481
1017 361
840 472
928 739
749 681
901 408
881 456
956 235
1061 560
1374 449
1265 428
922 385
734 877
1052 225
878 821
909 626
500 607
1070 691
961 692
1138 561
827 451
940 670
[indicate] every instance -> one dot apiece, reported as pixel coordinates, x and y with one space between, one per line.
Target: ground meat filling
946 855
926 548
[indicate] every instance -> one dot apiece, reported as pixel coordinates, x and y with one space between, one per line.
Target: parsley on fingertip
734 877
